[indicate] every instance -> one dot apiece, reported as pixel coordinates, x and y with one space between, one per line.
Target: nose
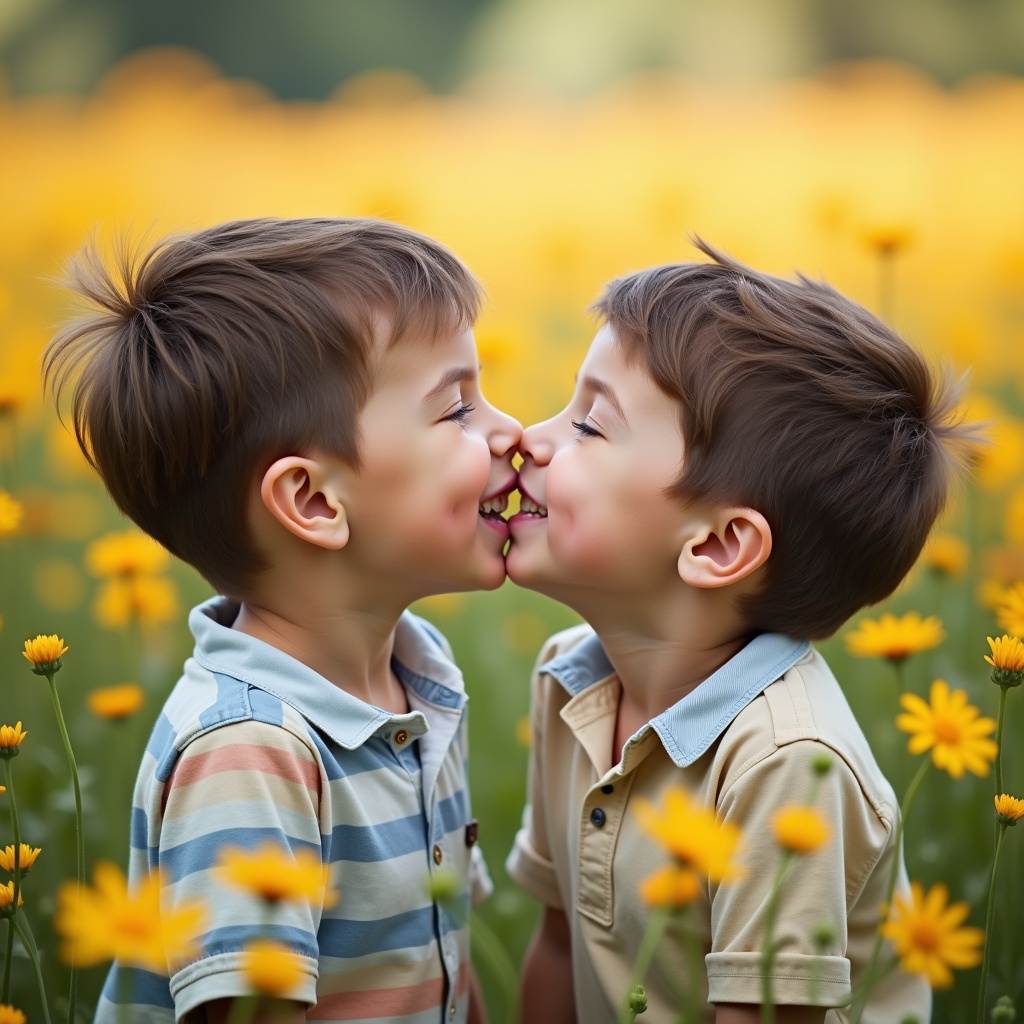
503 432
539 442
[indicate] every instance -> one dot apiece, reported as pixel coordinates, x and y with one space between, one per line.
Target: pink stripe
379 1002
246 757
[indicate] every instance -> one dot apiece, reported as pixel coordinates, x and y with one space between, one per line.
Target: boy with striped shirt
294 408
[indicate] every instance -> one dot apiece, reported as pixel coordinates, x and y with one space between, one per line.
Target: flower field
907 197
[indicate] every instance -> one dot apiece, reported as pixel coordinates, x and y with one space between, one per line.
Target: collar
419 660
692 724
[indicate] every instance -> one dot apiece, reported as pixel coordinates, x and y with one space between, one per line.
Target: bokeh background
553 144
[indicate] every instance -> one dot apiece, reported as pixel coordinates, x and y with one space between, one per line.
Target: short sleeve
819 887
238 786
529 864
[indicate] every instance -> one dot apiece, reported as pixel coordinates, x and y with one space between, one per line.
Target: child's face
432 452
599 471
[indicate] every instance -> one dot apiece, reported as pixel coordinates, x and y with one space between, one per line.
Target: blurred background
553 144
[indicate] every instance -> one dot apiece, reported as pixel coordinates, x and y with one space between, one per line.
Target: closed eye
584 429
459 414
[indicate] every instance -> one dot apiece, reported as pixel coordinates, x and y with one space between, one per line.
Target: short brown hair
212 355
801 404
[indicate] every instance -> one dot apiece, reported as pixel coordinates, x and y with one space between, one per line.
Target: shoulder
563 642
801 714
434 635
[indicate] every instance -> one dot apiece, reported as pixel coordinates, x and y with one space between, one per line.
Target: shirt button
597 817
608 789
438 854
451 1012
401 738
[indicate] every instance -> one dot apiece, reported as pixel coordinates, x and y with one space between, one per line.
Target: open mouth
492 508
529 508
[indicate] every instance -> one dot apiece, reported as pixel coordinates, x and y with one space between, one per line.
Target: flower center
946 729
925 936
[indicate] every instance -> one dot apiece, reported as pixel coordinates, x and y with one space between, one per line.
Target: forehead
420 362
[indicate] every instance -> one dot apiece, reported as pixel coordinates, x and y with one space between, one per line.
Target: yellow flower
116 701
271 968
9 1015
800 829
945 554
928 936
11 738
888 239
128 553
107 922
895 638
7 898
1009 810
670 886
144 599
1010 611
45 653
272 873
692 836
1007 653
27 857
951 728
11 512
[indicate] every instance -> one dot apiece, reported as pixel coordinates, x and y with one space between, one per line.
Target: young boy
745 462
294 408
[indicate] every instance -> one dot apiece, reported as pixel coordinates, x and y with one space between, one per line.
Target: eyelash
460 414
584 429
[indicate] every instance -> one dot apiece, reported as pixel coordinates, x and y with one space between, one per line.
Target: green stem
33 955
79 836
655 930
990 915
502 969
768 952
999 740
9 779
695 964
890 886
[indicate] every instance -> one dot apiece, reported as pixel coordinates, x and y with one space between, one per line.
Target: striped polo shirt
252 745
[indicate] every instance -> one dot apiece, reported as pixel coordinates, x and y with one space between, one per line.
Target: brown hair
799 403
216 353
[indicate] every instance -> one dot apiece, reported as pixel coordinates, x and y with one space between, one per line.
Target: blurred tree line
305 49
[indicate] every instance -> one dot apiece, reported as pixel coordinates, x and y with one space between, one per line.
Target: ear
726 546
304 496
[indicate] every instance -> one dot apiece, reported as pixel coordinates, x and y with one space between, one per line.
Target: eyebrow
453 375
600 388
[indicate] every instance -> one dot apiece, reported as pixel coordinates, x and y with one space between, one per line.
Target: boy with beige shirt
744 464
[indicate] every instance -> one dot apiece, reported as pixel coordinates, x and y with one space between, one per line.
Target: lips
529 507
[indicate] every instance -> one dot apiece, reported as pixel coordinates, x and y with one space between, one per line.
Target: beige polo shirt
743 742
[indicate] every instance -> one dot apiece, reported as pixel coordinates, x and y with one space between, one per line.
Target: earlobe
304 496
726 548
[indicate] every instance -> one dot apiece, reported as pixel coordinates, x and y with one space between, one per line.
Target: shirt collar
419 661
692 724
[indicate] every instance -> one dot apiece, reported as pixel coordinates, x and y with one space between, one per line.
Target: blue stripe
367 843
202 853
237 937
147 989
373 755
161 747
454 811
139 830
345 939
429 689
231 703
266 707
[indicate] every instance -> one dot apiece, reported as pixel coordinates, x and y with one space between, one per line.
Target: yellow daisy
670 886
945 554
26 858
1010 611
271 968
144 599
45 653
126 553
1007 660
692 836
273 873
7 897
11 738
115 702
10 1015
11 513
1009 810
952 729
107 922
895 638
800 829
928 937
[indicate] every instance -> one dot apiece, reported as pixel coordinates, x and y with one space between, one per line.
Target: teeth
526 505
498 504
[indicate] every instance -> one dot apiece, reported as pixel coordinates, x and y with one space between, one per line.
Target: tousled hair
801 404
205 359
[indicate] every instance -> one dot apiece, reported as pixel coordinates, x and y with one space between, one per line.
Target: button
401 738
438 854
451 1012
597 817
472 832
608 789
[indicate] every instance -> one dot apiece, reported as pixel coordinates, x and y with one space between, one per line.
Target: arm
746 1013
546 988
271 1011
477 1007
